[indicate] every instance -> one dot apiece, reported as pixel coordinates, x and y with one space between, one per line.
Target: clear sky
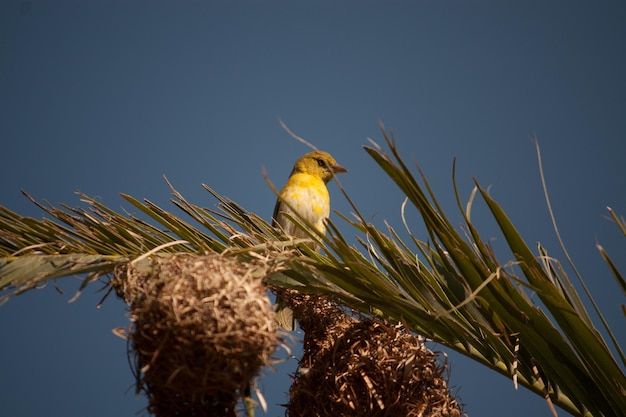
107 96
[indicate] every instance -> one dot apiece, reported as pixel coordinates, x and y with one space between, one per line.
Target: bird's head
320 164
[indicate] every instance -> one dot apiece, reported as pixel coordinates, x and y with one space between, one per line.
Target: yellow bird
307 194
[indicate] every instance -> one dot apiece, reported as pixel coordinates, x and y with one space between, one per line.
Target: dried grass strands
202 329
363 367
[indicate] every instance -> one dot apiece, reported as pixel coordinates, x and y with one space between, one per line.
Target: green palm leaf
450 288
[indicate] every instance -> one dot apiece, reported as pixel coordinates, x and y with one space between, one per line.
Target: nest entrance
202 328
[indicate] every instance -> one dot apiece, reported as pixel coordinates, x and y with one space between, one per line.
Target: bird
305 193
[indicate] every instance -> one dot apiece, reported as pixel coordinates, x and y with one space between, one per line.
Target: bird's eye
321 162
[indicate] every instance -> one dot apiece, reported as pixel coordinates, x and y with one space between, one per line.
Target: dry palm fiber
364 368
203 327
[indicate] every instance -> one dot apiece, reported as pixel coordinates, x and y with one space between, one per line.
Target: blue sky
107 97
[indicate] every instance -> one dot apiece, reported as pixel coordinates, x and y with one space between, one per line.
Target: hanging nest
363 367
202 328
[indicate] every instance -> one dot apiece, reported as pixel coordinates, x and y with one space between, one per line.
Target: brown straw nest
363 367
202 328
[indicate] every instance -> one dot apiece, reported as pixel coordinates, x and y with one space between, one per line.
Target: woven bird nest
202 328
363 367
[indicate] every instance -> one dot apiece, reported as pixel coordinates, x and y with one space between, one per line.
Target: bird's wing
275 215
282 221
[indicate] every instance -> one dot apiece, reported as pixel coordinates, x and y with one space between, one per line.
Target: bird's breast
309 196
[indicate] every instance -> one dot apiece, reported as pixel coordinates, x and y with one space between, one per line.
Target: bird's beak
337 169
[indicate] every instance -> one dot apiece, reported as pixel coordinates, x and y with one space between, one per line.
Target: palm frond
449 287
455 291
